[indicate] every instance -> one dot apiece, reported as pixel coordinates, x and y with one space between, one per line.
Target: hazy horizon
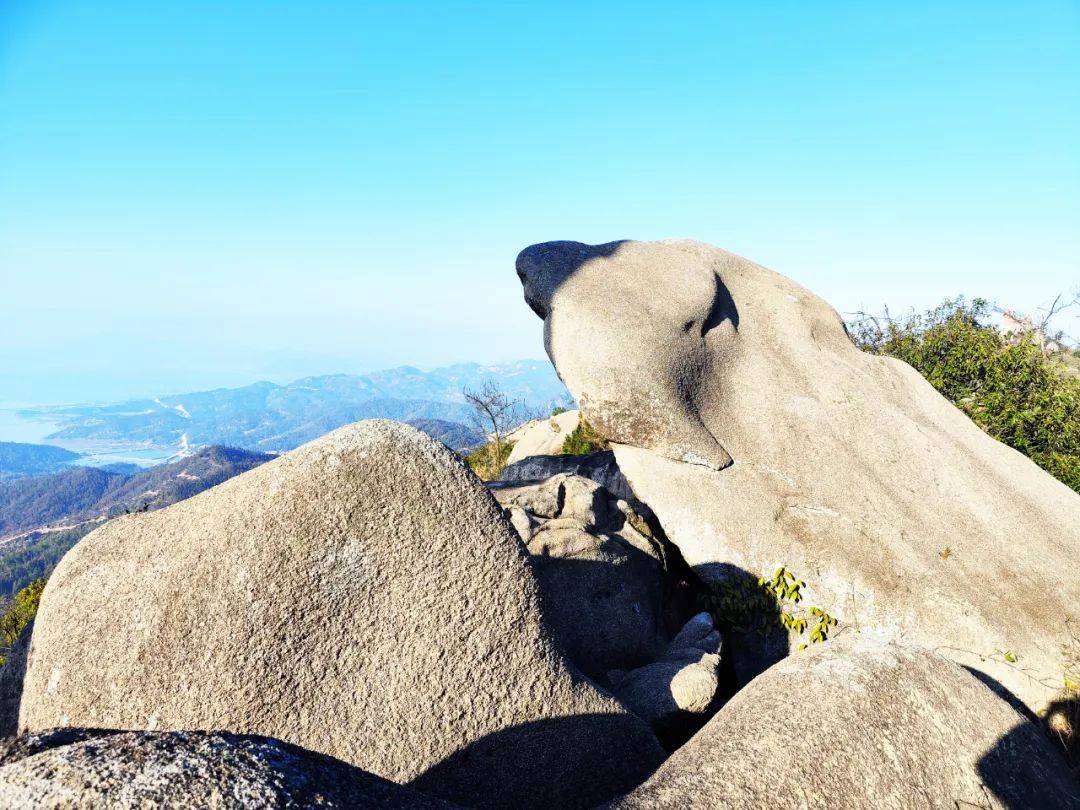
196 196
241 382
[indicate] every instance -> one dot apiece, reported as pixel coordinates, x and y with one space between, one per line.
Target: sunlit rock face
363 597
636 377
761 436
862 722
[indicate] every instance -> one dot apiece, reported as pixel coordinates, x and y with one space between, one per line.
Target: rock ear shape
846 468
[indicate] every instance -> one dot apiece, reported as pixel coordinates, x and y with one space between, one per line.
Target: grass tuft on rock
489 461
583 440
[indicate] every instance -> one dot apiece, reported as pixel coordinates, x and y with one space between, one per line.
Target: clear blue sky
203 193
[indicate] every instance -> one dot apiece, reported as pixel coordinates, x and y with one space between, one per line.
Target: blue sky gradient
193 195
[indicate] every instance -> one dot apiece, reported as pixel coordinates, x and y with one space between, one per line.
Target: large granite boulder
363 597
677 692
634 379
602 575
858 722
761 436
542 437
76 768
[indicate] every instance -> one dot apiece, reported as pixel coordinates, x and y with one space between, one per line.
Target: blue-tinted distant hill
453 434
18 459
41 517
274 418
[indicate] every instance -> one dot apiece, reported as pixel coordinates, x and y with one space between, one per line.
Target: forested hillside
18 459
42 517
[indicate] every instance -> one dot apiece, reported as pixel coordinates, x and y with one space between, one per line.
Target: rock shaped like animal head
688 350
627 330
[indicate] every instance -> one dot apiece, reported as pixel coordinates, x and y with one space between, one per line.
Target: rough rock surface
863 723
77 768
363 597
681 686
849 469
600 571
599 467
543 437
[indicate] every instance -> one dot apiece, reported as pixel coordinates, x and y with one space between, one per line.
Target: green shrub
489 461
766 605
1007 386
19 613
583 440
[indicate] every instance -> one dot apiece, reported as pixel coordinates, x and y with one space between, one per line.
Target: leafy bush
767 604
17 615
583 440
1006 385
489 461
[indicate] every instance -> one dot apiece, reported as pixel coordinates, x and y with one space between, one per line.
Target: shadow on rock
109 768
1004 693
1014 778
749 621
998 767
560 260
604 614
12 674
1062 719
486 768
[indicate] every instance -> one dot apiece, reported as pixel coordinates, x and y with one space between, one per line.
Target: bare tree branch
494 414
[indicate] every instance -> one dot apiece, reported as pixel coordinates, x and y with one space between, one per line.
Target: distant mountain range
453 434
41 517
18 459
274 418
48 501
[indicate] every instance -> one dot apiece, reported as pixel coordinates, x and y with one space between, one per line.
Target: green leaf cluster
583 440
1006 384
767 604
19 613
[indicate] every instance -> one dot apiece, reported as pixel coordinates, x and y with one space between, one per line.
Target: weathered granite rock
857 722
543 437
599 467
602 580
635 378
363 597
77 768
680 687
21 746
603 595
849 469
